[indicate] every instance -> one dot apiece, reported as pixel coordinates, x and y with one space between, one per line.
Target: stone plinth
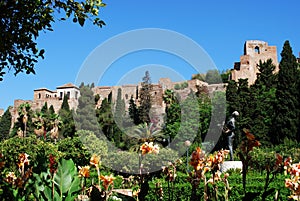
231 165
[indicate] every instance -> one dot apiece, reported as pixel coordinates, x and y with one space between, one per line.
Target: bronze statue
229 130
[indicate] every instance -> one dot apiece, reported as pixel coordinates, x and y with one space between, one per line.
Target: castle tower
254 51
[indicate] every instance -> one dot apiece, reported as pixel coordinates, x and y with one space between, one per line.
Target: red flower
52 164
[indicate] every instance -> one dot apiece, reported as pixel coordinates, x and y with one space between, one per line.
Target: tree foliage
22 21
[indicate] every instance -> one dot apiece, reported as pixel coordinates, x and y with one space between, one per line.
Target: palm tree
169 97
56 122
39 122
147 132
23 113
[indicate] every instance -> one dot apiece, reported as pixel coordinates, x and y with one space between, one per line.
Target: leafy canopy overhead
22 21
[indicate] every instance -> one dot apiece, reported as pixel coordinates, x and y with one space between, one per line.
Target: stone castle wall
55 98
254 51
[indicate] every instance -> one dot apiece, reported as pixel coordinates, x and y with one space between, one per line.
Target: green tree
106 119
5 124
119 115
51 109
22 21
232 97
213 77
119 109
265 76
45 108
133 112
145 99
173 114
263 100
24 124
85 115
286 121
68 128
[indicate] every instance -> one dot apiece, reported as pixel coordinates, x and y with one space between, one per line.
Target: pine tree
5 124
286 121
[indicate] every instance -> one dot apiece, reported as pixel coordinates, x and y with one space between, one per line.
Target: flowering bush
293 183
203 164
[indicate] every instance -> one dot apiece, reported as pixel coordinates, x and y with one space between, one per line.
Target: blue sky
219 27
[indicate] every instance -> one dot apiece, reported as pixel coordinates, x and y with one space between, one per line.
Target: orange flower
84 171
148 148
95 160
10 178
197 159
23 160
107 181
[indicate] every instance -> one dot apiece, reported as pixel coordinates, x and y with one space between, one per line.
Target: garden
35 169
106 152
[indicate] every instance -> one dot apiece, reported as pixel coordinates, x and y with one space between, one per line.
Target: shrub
73 148
38 151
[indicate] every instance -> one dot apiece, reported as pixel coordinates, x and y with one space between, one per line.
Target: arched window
39 96
257 49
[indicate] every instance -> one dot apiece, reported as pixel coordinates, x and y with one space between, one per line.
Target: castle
254 51
55 97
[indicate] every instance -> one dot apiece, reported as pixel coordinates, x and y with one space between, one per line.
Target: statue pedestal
226 165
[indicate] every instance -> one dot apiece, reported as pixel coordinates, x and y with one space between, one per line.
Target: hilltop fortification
254 51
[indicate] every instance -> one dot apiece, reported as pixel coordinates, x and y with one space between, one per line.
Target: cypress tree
286 119
85 114
5 124
145 99
262 102
68 128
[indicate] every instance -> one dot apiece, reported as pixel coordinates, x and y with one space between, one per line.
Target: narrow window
257 50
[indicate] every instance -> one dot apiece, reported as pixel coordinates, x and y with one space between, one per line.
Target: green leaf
66 178
48 193
81 21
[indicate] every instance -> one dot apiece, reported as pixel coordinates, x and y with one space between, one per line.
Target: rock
227 165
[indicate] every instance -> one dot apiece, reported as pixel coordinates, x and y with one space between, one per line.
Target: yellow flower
95 160
84 171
